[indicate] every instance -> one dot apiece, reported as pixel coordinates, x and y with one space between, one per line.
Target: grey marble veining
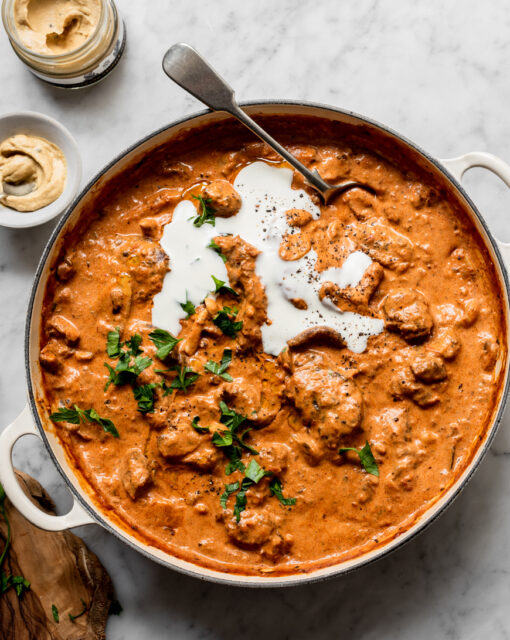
438 73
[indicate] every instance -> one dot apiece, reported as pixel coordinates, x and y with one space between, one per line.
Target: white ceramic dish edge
39 124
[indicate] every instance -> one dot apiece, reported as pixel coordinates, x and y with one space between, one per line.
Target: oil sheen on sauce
266 195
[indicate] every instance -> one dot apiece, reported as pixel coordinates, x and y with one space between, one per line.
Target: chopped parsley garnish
126 371
185 378
226 321
212 245
133 344
220 287
54 613
222 438
229 490
366 457
219 369
144 395
188 306
113 343
197 427
77 415
164 342
241 500
232 442
206 215
235 463
275 486
72 618
131 364
114 346
253 474
230 418
18 583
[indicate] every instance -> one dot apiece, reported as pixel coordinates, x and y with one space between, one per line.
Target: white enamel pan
33 419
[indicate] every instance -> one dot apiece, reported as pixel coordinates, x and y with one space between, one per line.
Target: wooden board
62 572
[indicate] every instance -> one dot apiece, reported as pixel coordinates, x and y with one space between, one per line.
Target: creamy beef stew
210 441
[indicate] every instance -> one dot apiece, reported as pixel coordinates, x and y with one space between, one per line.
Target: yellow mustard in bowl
32 172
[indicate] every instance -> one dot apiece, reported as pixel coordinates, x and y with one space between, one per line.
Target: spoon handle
185 66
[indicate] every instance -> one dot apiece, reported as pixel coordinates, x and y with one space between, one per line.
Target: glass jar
87 64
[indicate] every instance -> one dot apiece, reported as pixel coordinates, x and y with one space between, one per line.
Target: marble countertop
438 73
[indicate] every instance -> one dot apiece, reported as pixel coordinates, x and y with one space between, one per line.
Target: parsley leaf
164 342
72 618
19 583
212 245
206 215
197 427
144 395
126 371
244 445
255 472
54 612
230 418
219 369
366 457
133 344
185 377
113 343
235 463
66 415
108 426
222 438
240 504
232 443
220 287
229 490
225 320
188 306
275 486
114 346
77 415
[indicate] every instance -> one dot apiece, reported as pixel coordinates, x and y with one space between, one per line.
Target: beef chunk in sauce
383 244
327 401
406 312
61 327
428 367
223 199
136 472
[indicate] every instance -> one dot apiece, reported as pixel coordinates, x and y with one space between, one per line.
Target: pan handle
458 167
24 425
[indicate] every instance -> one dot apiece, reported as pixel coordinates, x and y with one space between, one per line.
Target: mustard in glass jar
68 43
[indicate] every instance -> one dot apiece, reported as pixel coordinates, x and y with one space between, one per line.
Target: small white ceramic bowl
37 124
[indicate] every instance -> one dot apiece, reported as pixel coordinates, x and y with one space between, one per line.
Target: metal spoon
185 66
